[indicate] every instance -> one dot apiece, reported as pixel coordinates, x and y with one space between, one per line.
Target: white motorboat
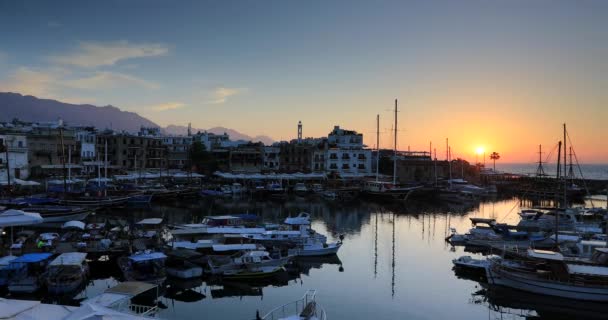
313 247
469 263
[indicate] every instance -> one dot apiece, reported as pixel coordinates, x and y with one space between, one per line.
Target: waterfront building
130 152
178 148
212 141
247 158
15 146
346 154
272 156
45 154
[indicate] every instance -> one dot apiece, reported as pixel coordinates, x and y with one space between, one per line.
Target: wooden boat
549 274
67 273
146 267
26 275
56 213
96 201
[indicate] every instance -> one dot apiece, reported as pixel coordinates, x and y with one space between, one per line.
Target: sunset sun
479 150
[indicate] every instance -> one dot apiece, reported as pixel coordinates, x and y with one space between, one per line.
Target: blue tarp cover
32 257
148 256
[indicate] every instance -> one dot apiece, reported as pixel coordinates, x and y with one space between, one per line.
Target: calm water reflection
394 264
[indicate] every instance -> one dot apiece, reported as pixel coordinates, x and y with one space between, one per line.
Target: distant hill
234 135
30 108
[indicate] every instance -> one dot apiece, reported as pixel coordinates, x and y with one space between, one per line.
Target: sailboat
385 189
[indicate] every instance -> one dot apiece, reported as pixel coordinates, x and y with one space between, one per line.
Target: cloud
108 80
221 94
96 54
168 106
28 81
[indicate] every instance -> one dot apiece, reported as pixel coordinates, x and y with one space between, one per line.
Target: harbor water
394 264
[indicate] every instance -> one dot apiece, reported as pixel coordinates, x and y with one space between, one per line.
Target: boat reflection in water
526 305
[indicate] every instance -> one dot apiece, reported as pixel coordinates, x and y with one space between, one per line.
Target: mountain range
30 108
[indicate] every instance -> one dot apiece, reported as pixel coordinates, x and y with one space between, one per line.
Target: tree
494 156
203 160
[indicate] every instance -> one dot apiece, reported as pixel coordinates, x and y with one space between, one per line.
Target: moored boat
146 267
67 273
26 274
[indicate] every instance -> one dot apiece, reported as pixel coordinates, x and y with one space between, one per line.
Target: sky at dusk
499 74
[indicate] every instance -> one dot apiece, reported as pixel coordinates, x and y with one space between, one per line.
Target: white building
87 139
213 141
346 154
17 157
272 155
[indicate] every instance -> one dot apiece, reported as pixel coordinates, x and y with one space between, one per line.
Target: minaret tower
299 131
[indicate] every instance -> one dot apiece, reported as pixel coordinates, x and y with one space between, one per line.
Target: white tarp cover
588 270
151 221
16 218
74 224
26 310
69 258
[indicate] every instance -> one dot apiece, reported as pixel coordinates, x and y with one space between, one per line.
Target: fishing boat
140 199
67 273
549 274
5 269
246 260
146 267
303 308
26 272
387 190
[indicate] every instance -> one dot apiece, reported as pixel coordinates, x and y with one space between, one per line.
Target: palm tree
494 156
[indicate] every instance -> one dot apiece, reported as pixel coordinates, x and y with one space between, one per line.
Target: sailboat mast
377 146
65 184
70 163
105 167
564 174
395 156
559 155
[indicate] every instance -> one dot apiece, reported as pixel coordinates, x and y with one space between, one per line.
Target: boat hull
500 277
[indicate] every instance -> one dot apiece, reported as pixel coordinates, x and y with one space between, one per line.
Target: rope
579 167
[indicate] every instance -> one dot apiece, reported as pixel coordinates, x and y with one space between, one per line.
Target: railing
296 308
143 311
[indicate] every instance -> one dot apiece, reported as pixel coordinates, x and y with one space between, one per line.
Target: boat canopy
545 254
151 221
148 256
15 218
302 219
587 270
32 257
483 220
232 247
74 224
69 259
